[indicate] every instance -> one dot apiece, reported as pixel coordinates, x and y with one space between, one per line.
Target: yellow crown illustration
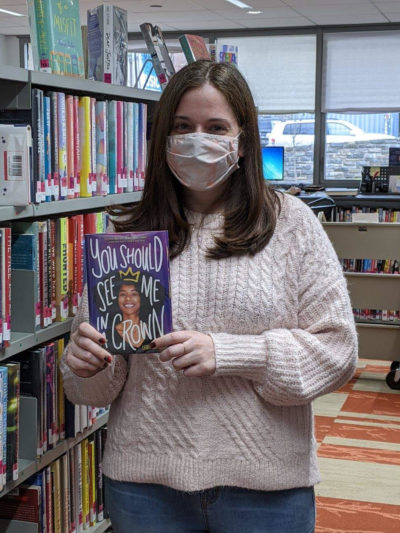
129 275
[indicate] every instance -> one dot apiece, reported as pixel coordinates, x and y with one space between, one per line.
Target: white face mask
201 161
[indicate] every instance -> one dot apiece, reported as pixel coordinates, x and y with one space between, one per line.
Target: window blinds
361 71
280 70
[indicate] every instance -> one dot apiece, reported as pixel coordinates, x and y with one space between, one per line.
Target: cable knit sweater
284 334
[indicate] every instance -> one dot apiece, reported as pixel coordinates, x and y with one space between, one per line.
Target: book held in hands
128 288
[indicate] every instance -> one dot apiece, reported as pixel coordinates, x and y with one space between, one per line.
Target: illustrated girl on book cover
128 289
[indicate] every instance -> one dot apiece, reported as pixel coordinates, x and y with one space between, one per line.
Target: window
361 100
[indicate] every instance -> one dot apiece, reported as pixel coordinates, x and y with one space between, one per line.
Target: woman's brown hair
251 207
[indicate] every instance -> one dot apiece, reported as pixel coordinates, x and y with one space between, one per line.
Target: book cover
128 288
15 178
107 44
57 37
194 47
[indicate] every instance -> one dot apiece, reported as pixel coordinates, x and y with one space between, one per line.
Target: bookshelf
371 291
17 84
30 467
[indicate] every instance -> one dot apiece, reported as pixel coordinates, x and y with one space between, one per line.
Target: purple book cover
128 288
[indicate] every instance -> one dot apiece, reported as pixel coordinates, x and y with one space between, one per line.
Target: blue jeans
147 508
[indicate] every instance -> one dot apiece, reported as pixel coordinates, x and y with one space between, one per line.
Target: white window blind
280 70
361 71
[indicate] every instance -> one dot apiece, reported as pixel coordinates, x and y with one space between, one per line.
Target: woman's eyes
216 129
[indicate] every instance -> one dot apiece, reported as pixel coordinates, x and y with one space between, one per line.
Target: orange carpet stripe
353 453
347 516
373 402
323 426
354 431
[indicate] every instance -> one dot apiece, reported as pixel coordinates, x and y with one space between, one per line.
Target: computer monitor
272 162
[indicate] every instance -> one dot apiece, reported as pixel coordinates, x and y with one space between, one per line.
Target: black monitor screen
272 161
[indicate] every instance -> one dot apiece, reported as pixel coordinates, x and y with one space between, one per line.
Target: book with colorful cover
128 288
13 393
48 178
56 34
112 145
3 422
194 47
62 145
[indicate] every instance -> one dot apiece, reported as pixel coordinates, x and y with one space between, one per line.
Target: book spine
112 145
3 473
130 147
108 39
120 146
101 148
60 390
77 171
72 267
93 163
47 148
85 149
99 476
186 49
55 470
69 107
66 501
92 481
49 501
54 145
85 484
13 421
52 273
62 145
42 35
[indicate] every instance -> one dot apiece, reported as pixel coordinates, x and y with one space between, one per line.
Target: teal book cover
112 148
59 37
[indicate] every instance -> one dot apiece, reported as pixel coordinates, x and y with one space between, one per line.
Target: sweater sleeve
294 366
102 388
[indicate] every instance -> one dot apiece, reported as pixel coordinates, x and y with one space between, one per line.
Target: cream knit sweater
284 334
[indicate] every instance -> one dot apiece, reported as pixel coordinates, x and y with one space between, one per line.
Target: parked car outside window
301 132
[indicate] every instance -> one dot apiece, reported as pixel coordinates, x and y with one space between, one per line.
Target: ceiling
189 15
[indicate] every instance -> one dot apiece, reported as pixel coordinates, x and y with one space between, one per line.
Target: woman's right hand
85 354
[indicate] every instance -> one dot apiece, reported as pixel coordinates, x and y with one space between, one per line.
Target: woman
215 433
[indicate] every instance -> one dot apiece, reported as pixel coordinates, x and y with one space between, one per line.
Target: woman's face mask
200 161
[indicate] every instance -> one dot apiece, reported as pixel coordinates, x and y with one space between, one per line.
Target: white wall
9 50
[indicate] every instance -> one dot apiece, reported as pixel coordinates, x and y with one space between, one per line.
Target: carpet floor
358 433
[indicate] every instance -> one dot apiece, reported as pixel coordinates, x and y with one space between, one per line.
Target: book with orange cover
194 47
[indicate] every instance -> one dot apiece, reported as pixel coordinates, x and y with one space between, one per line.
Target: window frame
320 116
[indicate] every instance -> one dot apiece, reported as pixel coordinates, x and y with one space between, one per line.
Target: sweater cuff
240 355
89 391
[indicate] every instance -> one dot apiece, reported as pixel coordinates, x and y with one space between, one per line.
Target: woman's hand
190 351
85 355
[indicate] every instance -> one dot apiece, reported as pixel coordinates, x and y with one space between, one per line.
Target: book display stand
16 86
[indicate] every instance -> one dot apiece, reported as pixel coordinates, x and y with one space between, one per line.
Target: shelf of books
8 213
66 83
27 468
369 253
24 341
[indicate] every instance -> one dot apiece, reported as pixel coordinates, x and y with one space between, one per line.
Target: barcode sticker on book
14 166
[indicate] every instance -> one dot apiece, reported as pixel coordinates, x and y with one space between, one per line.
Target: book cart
377 339
16 85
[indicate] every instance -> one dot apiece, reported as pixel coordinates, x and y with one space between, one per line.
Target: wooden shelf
28 468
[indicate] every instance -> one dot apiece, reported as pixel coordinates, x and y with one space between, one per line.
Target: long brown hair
251 207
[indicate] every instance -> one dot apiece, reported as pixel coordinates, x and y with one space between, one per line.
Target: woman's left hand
190 351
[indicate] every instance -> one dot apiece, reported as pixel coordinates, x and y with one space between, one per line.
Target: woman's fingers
87 339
